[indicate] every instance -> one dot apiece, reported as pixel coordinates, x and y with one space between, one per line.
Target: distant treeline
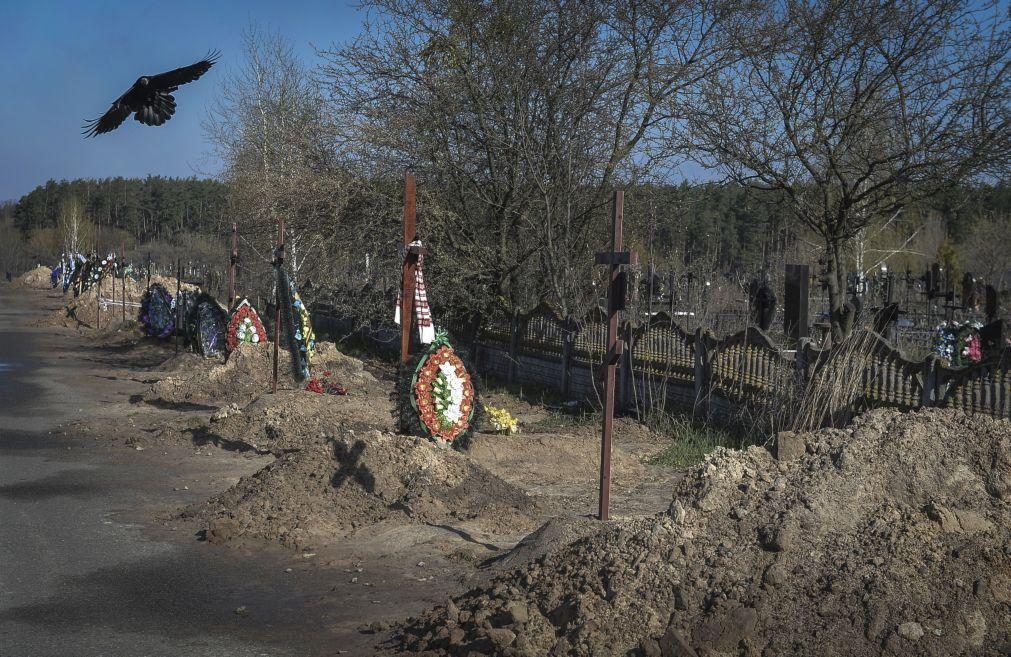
149 208
732 228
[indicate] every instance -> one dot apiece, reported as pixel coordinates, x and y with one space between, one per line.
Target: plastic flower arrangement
304 335
325 384
245 326
443 393
958 342
501 420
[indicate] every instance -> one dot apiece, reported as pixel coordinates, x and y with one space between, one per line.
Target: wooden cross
233 261
410 267
615 259
278 262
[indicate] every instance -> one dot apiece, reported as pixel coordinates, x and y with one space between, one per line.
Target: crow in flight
150 97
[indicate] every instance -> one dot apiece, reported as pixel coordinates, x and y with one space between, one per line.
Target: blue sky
64 62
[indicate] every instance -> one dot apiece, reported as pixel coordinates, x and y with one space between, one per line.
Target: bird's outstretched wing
172 79
108 121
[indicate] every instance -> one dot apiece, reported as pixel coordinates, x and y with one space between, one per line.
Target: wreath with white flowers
245 326
442 392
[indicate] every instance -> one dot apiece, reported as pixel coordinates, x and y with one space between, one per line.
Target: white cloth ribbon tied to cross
422 313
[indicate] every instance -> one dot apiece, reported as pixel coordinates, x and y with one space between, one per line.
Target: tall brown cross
410 267
233 262
615 259
278 262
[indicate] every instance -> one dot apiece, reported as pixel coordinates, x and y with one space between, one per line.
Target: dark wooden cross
278 262
615 259
410 267
233 262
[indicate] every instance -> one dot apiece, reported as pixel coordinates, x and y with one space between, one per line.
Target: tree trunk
835 277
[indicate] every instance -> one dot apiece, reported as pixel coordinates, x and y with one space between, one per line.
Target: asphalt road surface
82 573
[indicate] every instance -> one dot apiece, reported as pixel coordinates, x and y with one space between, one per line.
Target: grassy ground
690 441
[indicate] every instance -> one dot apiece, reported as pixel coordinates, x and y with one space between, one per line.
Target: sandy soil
888 538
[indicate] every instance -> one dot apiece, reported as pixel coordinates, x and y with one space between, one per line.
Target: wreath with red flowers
442 392
245 326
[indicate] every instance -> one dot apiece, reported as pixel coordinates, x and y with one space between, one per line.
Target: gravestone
761 304
934 281
885 321
991 337
992 303
795 303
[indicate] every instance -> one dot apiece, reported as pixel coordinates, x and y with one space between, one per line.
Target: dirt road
87 568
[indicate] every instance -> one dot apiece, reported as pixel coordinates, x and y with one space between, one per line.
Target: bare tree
852 110
76 229
988 248
521 115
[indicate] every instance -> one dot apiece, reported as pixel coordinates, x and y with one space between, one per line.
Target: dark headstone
992 303
991 336
970 298
762 304
885 318
795 303
934 281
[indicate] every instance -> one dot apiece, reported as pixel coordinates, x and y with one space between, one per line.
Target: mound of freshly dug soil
83 310
294 419
344 480
247 373
892 537
36 279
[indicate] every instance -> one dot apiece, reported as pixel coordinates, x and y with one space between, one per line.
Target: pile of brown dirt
345 480
247 373
36 279
83 310
891 537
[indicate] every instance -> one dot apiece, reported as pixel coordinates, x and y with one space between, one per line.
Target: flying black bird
150 98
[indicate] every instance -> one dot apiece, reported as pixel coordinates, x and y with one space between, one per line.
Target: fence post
929 394
567 340
625 368
514 345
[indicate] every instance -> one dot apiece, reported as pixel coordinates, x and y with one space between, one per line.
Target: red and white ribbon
422 313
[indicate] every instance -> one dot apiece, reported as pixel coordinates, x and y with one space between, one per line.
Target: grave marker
796 324
614 259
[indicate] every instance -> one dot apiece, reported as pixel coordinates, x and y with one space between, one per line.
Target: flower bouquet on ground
325 384
501 420
958 342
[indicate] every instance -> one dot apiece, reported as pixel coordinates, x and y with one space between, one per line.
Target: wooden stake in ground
98 307
233 262
614 259
179 263
278 262
410 268
122 255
